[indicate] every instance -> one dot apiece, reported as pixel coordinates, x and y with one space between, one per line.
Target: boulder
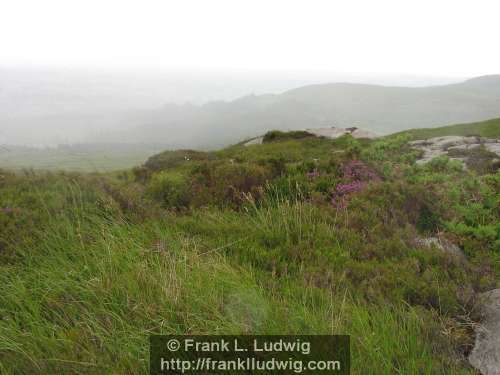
486 353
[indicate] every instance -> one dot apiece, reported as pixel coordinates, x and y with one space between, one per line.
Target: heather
297 235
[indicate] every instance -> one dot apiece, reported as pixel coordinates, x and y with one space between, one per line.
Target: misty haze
56 106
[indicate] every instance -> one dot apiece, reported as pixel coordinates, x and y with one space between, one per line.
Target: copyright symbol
173 345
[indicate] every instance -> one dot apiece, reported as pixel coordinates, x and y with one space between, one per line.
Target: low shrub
172 190
141 174
427 221
277 165
276 135
226 184
171 159
235 180
443 164
355 177
395 149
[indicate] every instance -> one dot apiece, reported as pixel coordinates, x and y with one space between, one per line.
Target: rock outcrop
443 146
254 141
334 132
486 353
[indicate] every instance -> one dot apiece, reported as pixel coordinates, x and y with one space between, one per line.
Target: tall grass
289 221
91 285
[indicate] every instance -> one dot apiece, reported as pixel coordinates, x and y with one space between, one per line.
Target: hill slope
296 236
489 129
378 108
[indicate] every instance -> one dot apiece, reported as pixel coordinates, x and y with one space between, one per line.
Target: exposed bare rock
361 133
464 147
441 146
334 132
486 353
493 147
442 244
328 132
254 141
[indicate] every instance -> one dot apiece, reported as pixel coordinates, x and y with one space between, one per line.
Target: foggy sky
425 37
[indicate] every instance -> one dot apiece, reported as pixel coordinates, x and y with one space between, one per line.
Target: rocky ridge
331 132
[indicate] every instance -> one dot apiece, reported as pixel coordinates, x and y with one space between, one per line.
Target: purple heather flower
356 176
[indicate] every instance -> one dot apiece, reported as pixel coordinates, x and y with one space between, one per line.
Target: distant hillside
380 109
490 128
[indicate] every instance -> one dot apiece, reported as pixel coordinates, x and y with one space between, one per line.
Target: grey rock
493 147
255 141
334 132
486 353
464 147
439 146
442 244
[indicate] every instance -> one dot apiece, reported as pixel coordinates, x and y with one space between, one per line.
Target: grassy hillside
293 236
490 129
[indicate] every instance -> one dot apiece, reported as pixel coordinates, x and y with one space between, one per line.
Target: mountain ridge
381 109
